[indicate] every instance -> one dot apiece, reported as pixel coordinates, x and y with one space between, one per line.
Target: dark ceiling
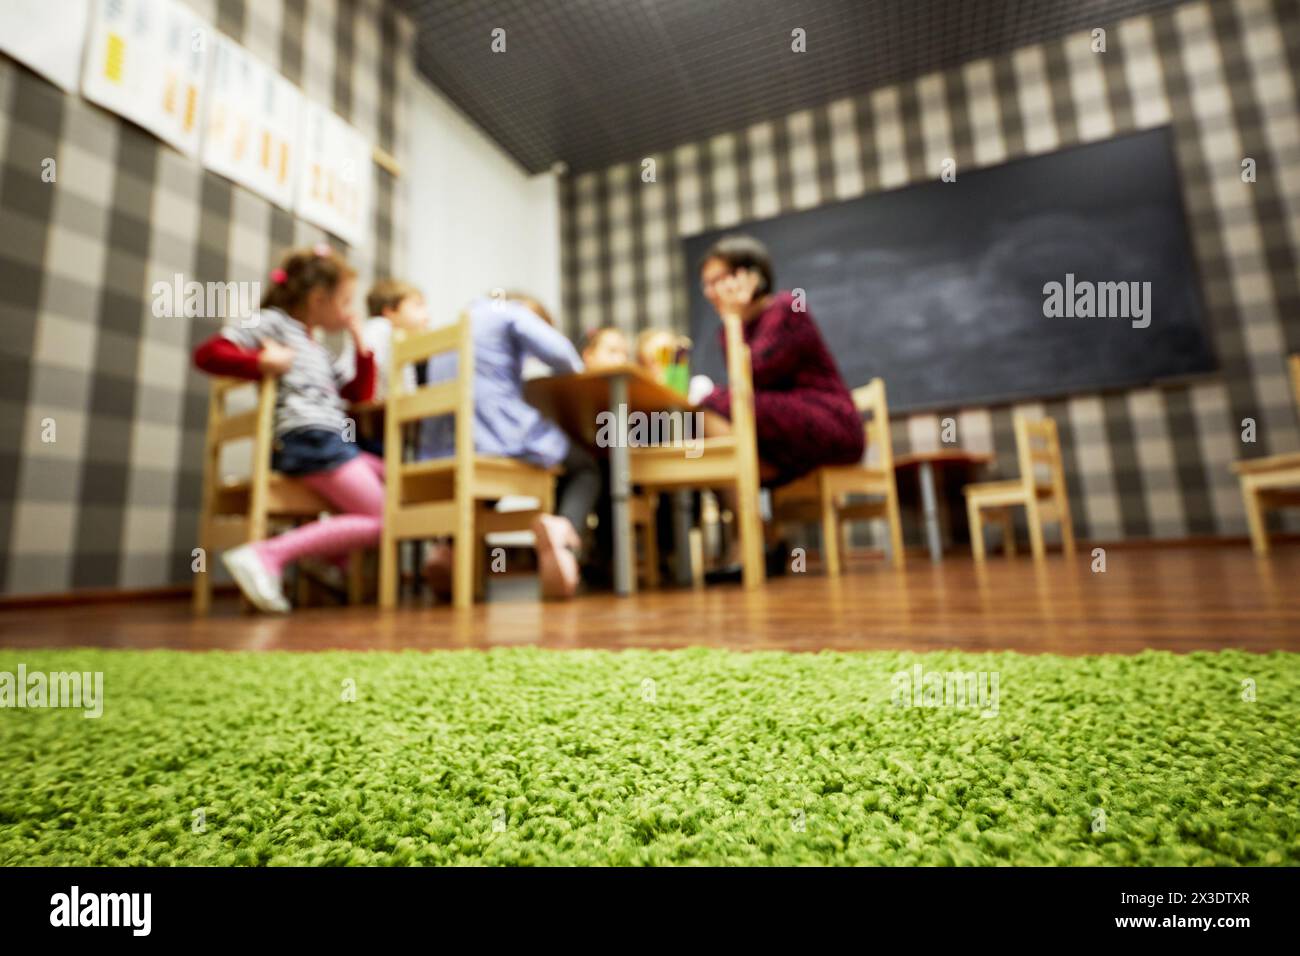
595 82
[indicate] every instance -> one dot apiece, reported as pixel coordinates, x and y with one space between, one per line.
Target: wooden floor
1180 599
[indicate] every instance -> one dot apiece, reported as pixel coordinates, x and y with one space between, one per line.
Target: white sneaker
258 584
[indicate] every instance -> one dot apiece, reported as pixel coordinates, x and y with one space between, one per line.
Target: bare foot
556 560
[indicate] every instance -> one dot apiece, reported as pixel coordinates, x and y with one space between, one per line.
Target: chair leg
651 542
1035 521
750 524
1008 533
411 548
481 560
388 565
463 554
695 545
893 516
357 577
202 594
1067 524
203 587
1255 519
830 536
302 585
976 530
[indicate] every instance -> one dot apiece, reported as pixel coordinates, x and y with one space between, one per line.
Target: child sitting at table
605 348
656 350
507 330
310 292
393 305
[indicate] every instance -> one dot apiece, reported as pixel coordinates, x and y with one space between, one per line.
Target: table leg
620 489
931 512
945 517
682 536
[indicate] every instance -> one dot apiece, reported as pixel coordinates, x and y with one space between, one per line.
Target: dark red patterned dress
804 413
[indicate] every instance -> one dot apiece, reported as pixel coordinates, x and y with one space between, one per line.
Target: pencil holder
679 377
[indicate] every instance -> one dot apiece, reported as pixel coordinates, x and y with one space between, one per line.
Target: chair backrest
255 424
870 402
454 397
1038 443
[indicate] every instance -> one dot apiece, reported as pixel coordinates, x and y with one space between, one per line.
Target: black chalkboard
939 287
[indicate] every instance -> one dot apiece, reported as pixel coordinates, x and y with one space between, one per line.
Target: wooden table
573 402
926 463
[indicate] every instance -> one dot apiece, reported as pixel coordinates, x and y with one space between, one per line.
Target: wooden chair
729 461
234 511
822 495
448 497
1037 443
1272 482
645 523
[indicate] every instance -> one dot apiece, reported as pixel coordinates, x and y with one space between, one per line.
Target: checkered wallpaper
112 500
1144 463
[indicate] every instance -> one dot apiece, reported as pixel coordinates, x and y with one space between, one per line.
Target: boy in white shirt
393 304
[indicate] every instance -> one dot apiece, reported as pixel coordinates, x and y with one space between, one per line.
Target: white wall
476 220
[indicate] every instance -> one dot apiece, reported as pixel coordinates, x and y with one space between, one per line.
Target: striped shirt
309 393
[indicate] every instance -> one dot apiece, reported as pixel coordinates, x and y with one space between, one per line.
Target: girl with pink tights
311 289
356 490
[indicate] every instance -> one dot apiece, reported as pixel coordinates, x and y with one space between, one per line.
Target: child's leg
599 558
579 487
354 488
559 535
374 462
337 535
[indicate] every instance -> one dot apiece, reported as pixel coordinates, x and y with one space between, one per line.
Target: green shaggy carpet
702 756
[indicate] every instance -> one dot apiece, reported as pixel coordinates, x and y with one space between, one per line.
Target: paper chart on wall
47 37
335 177
252 124
146 60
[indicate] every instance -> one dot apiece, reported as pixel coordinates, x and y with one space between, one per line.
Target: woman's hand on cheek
736 292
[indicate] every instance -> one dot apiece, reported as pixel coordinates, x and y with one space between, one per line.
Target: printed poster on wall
46 36
252 123
335 176
146 60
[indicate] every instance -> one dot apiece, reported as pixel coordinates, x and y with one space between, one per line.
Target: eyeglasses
706 285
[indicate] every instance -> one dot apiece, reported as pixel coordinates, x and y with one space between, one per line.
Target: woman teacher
804 415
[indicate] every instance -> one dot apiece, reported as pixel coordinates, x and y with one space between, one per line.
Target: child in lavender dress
507 331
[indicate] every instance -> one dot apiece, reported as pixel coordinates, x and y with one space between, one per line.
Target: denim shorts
309 450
